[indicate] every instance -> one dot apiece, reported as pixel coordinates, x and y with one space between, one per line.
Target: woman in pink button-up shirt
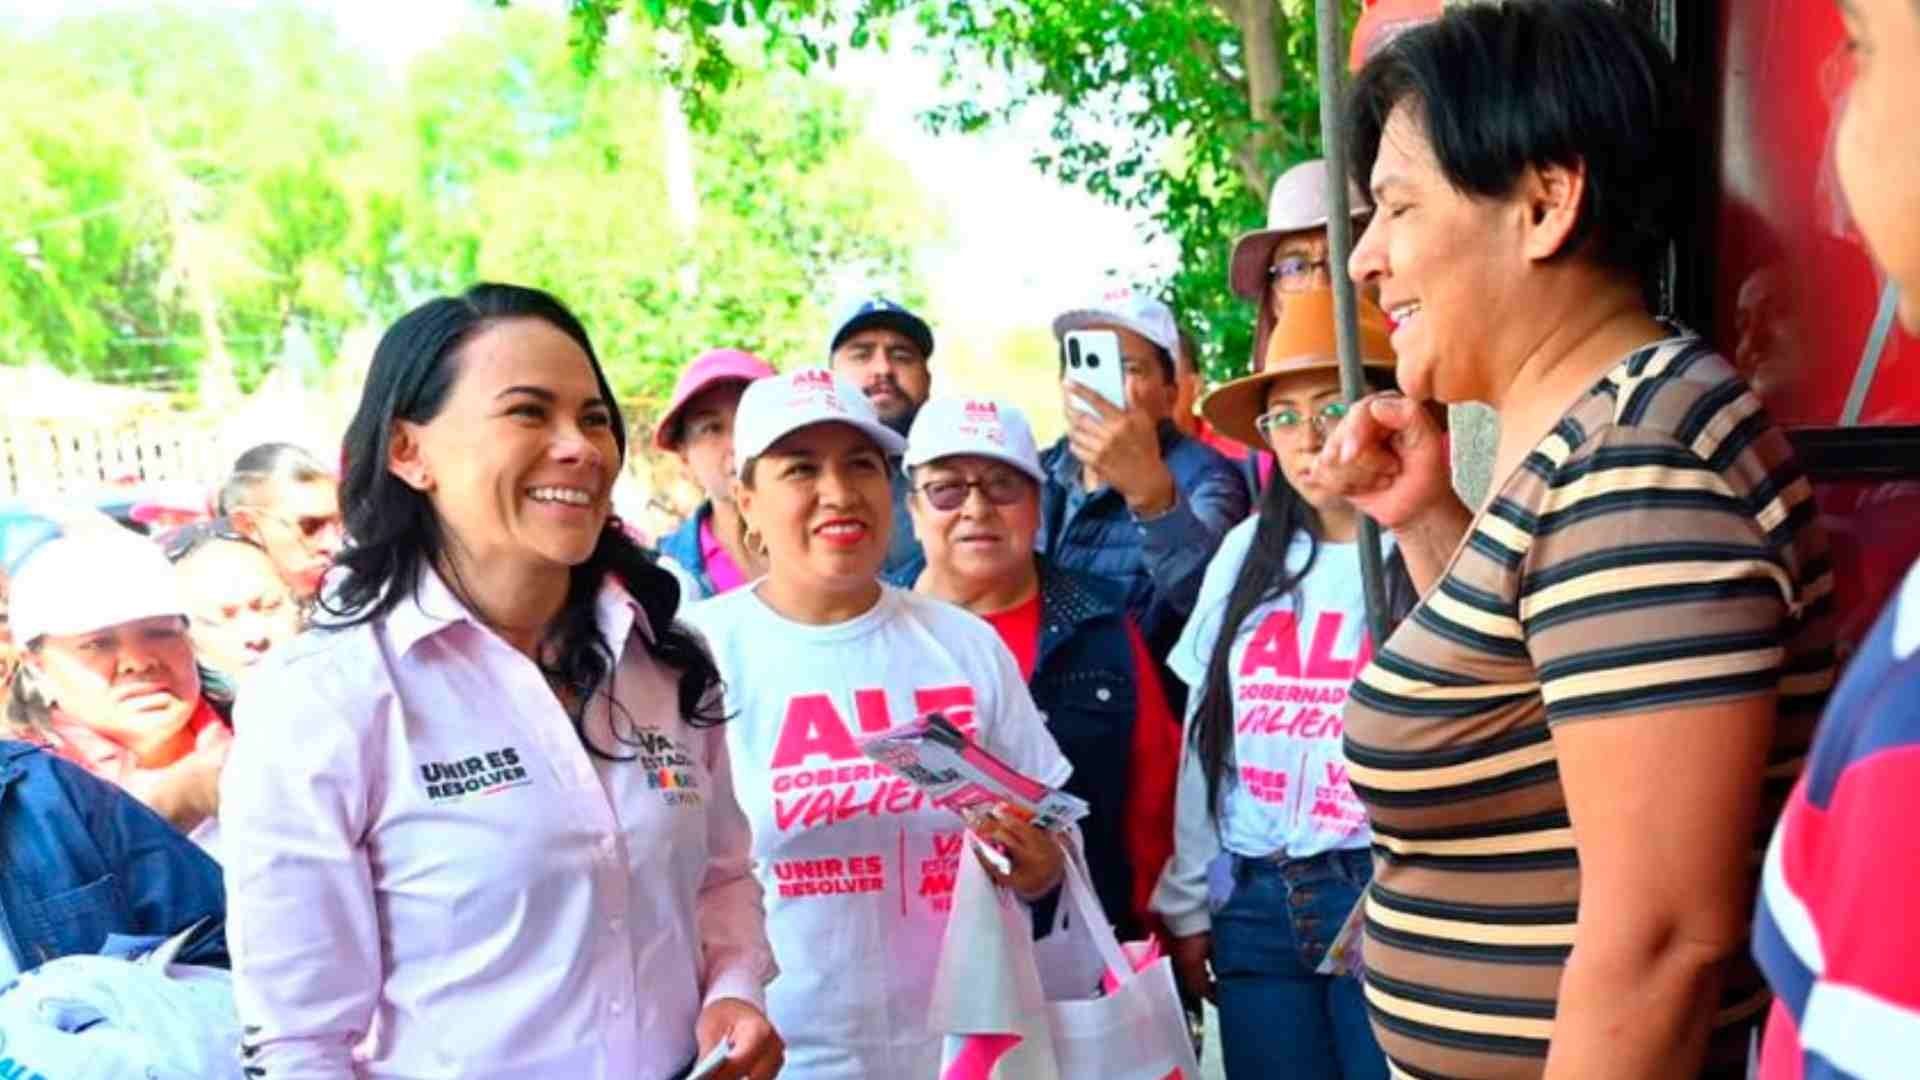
481 822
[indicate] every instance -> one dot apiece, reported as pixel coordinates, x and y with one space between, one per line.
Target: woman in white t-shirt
858 867
1271 845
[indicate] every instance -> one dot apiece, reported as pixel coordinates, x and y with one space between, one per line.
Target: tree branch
1211 58
1260 38
1232 10
1247 157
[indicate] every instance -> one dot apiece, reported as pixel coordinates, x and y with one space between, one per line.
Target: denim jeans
1278 1018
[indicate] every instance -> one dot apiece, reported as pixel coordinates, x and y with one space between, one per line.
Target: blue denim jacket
80 859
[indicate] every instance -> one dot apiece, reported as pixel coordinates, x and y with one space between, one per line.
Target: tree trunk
1260 45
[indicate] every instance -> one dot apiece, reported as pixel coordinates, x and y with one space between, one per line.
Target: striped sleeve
1649 583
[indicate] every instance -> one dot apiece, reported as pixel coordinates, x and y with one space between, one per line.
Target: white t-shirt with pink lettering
1290 668
858 868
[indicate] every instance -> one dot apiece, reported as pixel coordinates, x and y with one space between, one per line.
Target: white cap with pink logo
1129 309
974 427
777 406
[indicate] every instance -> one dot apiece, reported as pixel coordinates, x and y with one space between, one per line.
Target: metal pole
1353 382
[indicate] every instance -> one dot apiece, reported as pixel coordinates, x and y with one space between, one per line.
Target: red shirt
1019 627
1155 760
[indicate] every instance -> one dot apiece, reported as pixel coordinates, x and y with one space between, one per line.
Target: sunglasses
309 526
1291 422
1001 489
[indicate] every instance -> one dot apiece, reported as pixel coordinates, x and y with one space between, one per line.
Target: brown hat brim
1233 407
1252 255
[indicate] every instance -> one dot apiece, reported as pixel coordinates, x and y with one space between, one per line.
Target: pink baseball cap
1298 203
711 367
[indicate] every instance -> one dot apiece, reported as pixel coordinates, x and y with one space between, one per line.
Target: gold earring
755 543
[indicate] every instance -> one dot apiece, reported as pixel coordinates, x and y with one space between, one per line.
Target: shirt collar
433 608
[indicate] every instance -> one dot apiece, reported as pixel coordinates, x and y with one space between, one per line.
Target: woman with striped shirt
1571 750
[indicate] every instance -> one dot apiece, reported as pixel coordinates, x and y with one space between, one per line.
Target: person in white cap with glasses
858 867
1128 497
976 483
108 676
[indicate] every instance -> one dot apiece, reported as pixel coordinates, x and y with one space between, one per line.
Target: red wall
1795 293
1794 287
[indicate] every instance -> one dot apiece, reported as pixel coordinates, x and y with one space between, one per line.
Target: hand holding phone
1092 359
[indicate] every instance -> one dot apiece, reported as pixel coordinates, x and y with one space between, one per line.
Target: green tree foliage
185 185
1184 110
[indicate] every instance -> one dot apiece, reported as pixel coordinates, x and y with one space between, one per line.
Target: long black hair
1266 576
394 535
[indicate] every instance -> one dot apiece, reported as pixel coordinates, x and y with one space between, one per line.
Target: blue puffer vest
1094 533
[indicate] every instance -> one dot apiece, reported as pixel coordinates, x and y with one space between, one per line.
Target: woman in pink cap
859 867
710 546
484 826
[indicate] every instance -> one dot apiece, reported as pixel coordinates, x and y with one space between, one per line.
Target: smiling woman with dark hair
1570 750
486 815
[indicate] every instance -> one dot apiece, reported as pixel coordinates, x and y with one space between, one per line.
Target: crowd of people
462 777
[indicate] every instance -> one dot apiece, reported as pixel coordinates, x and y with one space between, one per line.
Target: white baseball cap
775 407
1127 308
976 427
89 580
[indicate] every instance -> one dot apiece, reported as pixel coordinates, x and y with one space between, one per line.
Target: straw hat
1303 340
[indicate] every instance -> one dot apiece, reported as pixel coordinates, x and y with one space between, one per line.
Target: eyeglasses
1001 489
1298 273
1291 422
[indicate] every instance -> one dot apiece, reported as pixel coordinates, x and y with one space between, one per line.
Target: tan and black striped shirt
1657 550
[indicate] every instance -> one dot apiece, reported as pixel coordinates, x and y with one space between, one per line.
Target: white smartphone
1093 360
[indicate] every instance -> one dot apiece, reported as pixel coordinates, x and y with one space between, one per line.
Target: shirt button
1103 694
607 845
616 1006
619 924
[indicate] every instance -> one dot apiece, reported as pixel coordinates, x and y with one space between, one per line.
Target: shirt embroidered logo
486 774
669 770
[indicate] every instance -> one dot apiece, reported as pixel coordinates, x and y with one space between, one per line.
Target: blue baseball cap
878 311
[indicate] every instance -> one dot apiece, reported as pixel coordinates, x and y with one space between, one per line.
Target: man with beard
882 348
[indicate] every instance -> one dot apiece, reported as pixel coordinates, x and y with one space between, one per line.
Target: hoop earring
755 543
